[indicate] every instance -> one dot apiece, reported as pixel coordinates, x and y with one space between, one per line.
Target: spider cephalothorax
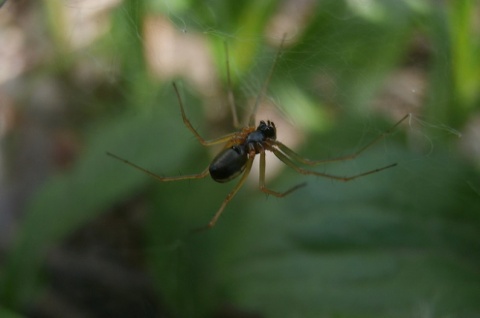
256 139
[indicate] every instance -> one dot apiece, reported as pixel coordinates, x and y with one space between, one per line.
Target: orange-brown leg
231 98
290 153
251 121
269 191
229 196
200 175
204 142
291 164
187 123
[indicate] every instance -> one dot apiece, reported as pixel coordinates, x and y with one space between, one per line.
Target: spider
241 148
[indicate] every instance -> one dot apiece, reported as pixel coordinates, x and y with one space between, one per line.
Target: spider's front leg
285 159
269 191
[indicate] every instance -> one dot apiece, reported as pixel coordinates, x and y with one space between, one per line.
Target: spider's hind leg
229 196
189 125
200 175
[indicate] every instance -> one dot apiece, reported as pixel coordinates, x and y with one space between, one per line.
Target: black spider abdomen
228 164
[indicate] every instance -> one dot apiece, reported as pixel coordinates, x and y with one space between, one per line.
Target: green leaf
69 200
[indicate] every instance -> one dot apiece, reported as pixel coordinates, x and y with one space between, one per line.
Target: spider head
267 129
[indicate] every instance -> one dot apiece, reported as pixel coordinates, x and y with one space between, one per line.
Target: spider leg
200 175
187 123
292 154
251 121
285 159
229 196
269 191
231 99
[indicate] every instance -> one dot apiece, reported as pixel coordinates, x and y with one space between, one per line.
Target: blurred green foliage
401 243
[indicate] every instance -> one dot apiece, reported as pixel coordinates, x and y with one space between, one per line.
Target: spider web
327 94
